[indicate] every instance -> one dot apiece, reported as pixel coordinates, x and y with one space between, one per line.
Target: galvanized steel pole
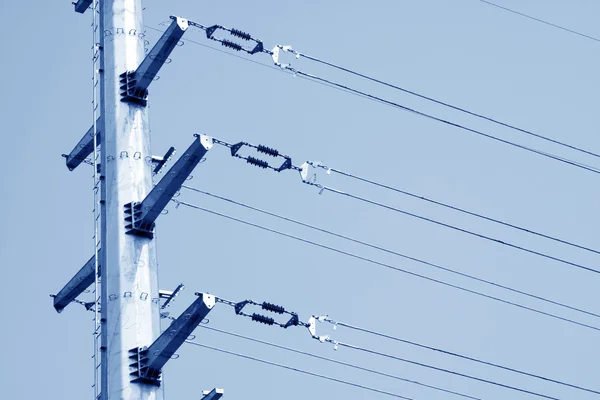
130 316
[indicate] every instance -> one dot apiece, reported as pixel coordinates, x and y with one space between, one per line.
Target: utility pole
130 315
129 348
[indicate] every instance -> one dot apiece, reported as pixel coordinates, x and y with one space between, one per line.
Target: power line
368 96
369 260
541 20
454 227
353 240
331 360
329 378
446 122
459 209
521 372
269 66
448 371
431 99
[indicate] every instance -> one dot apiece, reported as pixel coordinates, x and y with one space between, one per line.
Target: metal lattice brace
140 217
147 363
134 84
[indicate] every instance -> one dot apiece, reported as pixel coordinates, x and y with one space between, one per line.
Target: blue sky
463 52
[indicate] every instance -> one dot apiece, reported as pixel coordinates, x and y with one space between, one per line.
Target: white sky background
463 52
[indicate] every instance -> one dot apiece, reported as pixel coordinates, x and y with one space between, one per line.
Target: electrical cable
541 20
329 378
369 260
446 122
448 371
454 227
347 89
353 240
462 210
269 66
331 360
479 361
431 99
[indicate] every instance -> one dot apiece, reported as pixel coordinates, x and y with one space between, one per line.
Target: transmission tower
129 349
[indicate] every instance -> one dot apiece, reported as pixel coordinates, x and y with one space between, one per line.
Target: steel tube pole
130 306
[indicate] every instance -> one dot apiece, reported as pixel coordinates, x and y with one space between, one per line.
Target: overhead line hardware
159 162
170 295
210 34
147 362
235 148
134 84
263 319
140 216
275 54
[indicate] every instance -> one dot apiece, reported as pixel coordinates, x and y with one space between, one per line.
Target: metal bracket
82 5
85 147
131 91
214 394
140 217
81 281
236 147
170 296
287 164
134 84
304 172
293 321
147 363
239 306
161 161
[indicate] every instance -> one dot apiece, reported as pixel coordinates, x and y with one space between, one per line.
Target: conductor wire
353 240
454 227
541 21
446 122
448 371
331 360
352 255
433 100
329 378
479 361
462 210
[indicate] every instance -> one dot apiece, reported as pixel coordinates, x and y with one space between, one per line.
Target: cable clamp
319 164
289 49
324 338
312 327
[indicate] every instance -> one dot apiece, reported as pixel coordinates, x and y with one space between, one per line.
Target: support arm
82 5
149 362
140 217
85 147
81 281
135 84
214 394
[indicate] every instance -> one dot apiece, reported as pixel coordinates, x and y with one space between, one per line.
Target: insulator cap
267 150
273 308
240 34
263 319
231 45
257 162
